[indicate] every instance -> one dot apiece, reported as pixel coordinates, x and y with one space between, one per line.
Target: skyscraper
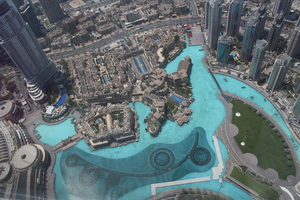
213 22
275 31
250 36
223 49
262 18
19 42
27 12
296 109
52 10
253 31
282 6
297 87
234 17
279 71
293 48
257 58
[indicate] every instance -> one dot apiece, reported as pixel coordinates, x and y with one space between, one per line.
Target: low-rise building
109 126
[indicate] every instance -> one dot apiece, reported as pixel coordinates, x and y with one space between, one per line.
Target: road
194 8
123 34
93 5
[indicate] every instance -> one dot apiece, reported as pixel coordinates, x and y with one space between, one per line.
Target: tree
11 86
176 38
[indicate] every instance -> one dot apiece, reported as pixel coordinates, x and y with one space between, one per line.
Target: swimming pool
140 65
105 79
176 98
53 135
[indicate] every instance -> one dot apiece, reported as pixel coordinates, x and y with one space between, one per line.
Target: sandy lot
76 3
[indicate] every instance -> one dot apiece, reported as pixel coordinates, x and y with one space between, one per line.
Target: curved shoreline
31 123
265 94
205 64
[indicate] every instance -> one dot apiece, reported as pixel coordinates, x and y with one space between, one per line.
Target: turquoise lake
208 113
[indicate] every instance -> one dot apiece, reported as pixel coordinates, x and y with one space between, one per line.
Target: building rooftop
25 157
5 108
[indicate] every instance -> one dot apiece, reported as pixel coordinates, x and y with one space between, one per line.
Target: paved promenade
174 194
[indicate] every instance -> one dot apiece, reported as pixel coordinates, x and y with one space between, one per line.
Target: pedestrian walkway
217 171
181 182
197 38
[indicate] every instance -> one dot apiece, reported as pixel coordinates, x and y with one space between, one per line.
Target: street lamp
243 142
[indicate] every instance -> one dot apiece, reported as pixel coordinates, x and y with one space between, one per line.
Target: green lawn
261 140
264 191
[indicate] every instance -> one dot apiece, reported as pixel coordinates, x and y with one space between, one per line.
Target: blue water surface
208 113
53 135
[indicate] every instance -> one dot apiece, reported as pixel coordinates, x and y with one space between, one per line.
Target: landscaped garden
262 189
260 137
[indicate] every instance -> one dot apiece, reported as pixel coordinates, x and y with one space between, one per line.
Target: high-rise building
52 10
19 42
279 71
275 31
4 58
257 58
297 87
253 31
223 49
234 17
293 48
18 3
250 36
282 6
262 18
26 10
296 109
213 22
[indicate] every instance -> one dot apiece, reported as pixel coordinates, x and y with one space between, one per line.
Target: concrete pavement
33 120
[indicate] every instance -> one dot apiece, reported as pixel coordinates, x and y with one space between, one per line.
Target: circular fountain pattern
162 159
89 175
113 179
200 156
71 160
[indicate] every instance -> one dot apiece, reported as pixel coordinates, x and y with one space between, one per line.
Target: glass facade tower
223 49
293 48
296 109
275 31
52 10
257 58
20 43
279 71
213 22
253 31
282 6
234 17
